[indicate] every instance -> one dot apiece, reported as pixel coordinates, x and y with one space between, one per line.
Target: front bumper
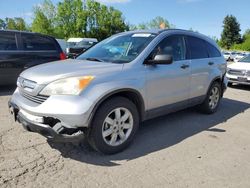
72 111
56 132
238 79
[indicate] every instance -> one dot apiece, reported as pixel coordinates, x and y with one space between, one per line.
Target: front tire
114 125
211 103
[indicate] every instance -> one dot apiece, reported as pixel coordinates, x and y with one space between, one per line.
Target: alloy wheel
117 126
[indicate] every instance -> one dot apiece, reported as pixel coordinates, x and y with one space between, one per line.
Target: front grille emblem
26 83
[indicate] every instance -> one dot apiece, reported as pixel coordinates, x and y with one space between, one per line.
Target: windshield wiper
94 59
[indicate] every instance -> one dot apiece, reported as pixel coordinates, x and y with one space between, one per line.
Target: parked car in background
239 72
63 44
226 55
130 77
76 46
21 50
232 56
239 56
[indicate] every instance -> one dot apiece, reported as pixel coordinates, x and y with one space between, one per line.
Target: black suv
21 50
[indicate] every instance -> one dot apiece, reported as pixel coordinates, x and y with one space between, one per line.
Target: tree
10 23
20 24
71 18
2 24
16 23
103 21
246 34
44 19
41 24
231 32
142 26
245 45
156 23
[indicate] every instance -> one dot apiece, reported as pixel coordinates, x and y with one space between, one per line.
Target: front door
168 85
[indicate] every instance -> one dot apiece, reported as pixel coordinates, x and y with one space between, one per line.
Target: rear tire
211 103
230 84
114 125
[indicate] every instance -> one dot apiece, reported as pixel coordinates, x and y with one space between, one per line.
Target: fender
117 92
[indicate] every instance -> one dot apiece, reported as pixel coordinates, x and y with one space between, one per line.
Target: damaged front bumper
49 127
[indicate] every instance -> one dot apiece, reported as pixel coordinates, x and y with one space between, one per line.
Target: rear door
200 68
38 49
9 58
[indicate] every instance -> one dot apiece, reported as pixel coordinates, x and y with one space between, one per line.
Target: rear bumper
57 132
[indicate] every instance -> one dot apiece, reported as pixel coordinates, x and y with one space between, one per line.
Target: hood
46 73
239 66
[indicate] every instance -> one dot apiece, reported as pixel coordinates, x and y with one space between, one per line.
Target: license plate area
242 79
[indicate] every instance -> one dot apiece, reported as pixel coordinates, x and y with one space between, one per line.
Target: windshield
245 59
119 49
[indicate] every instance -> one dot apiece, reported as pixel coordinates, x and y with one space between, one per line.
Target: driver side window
172 45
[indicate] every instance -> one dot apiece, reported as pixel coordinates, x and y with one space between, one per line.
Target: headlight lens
67 86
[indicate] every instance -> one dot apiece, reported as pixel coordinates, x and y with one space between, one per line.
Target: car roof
158 31
179 31
24 32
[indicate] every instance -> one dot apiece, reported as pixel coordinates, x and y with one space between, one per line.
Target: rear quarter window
212 50
38 43
7 42
197 48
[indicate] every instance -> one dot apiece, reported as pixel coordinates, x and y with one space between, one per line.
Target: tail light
62 56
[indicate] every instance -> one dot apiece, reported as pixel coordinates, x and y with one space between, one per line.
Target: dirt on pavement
184 149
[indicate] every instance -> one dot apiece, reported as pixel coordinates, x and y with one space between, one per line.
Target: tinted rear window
7 42
197 48
37 43
212 51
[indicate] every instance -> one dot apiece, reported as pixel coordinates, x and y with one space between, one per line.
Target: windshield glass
245 59
119 49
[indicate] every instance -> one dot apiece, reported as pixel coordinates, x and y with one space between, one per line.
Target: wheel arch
131 94
216 79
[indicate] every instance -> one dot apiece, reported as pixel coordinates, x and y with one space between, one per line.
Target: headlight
67 86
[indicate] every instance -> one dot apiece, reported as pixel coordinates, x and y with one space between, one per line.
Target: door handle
210 63
184 66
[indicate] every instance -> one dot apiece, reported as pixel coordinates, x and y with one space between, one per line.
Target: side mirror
160 59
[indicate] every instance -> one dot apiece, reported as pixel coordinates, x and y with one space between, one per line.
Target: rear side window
37 43
8 42
197 48
212 51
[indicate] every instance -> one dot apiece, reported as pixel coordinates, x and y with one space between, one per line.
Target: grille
248 73
39 99
233 79
236 72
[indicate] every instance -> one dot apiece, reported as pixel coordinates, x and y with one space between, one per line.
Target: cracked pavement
184 149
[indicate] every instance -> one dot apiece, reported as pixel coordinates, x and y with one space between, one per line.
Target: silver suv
130 77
